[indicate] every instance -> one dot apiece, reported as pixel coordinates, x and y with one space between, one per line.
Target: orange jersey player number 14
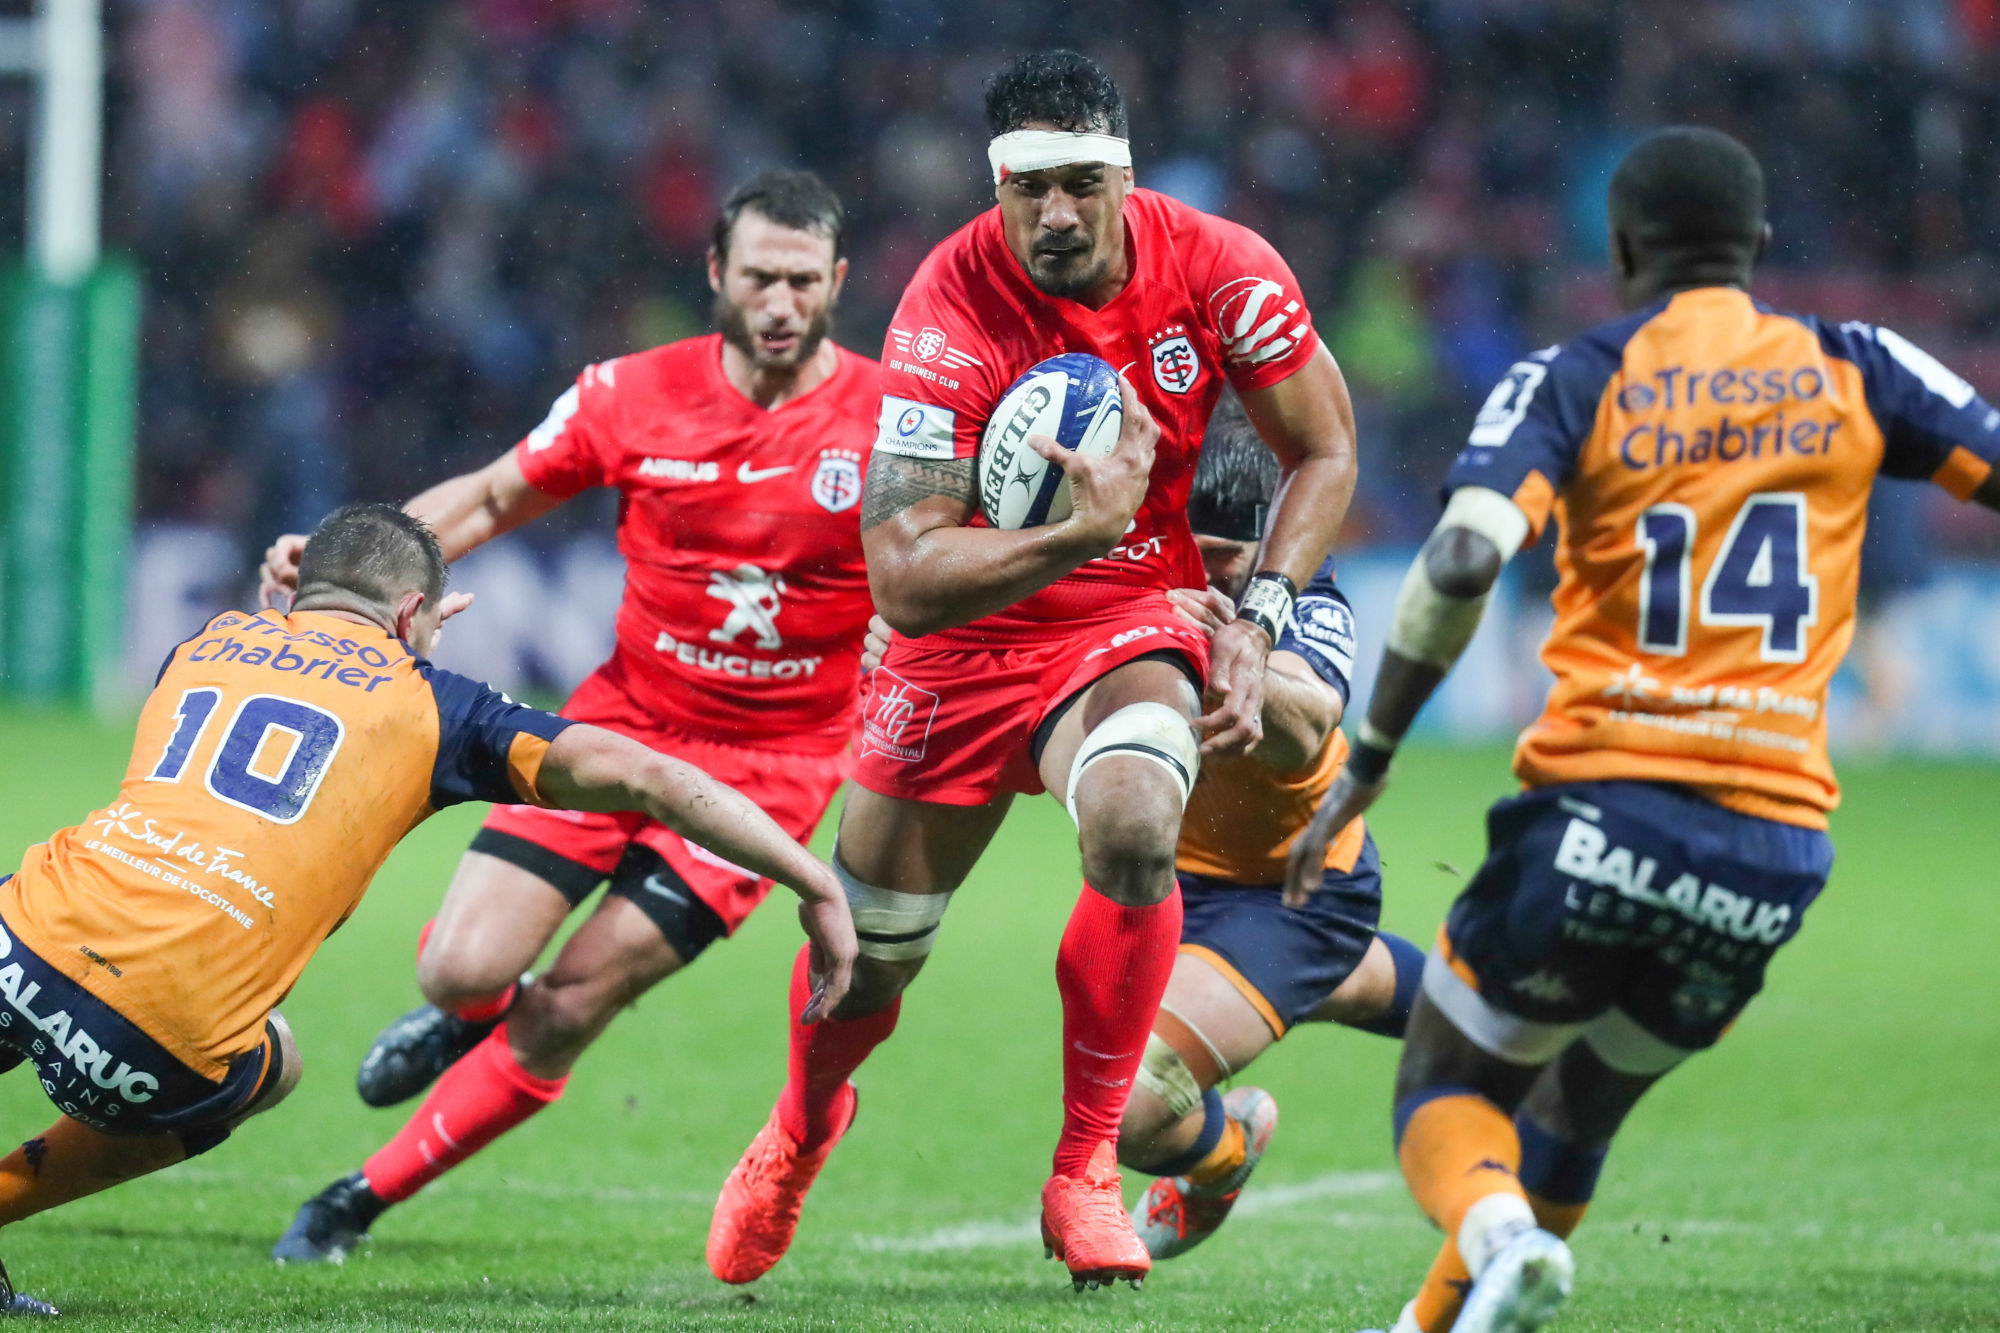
1709 461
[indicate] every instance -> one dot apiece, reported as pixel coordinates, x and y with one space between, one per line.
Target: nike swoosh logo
748 475
654 884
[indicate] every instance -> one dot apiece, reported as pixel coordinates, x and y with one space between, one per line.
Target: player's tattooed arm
896 483
929 571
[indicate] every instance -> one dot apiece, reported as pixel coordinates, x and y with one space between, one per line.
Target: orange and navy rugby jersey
1708 461
1243 814
278 761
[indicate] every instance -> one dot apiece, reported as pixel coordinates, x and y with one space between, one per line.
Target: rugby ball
1072 399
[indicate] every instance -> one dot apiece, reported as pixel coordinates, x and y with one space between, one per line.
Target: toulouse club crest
837 483
1176 367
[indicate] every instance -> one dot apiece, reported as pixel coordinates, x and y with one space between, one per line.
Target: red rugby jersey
1207 300
745 594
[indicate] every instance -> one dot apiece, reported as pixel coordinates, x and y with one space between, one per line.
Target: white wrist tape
1431 627
1038 150
1267 603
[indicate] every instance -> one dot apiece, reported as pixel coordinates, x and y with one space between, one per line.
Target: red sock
814 1104
479 1010
480 1098
1112 969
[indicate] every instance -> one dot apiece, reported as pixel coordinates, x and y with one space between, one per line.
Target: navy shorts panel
97 1066
1634 896
1293 957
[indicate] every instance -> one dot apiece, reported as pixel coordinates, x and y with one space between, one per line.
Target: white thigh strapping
1518 1040
891 925
1151 731
1617 1039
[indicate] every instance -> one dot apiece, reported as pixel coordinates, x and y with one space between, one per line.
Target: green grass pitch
1835 1164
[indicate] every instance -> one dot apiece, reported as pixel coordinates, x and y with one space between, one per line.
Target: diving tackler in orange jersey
278 762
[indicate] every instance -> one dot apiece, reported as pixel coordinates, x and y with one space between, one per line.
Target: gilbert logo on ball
1073 400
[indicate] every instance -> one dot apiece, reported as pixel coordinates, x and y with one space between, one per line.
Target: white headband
1038 150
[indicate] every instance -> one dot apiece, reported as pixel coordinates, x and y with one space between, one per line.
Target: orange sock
1446 1285
1456 1150
1226 1156
1444 1290
71 1160
1557 1218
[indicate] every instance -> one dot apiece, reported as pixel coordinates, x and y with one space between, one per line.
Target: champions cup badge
837 483
1175 365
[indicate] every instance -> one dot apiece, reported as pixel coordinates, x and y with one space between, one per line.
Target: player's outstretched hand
831 946
1105 493
1236 661
279 574
875 644
1344 802
1207 609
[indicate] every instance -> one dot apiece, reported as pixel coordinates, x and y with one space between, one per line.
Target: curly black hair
1234 478
1066 89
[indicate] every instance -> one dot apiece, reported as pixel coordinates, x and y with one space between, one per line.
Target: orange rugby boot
758 1211
1084 1223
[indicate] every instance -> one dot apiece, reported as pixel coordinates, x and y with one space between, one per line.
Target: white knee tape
1164 1074
891 926
1145 731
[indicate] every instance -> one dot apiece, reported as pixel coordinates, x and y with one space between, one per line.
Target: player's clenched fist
280 571
1105 493
875 644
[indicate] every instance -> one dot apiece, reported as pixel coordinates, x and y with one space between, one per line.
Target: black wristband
1267 602
1368 763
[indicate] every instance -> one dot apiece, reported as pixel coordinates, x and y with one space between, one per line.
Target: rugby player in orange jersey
1250 969
738 460
278 761
1708 461
1050 659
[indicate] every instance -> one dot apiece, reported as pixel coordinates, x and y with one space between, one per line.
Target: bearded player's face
1066 225
775 291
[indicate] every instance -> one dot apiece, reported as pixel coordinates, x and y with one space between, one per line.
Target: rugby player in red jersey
739 458
1051 658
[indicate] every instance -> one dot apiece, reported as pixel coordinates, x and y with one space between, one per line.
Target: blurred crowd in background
378 239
